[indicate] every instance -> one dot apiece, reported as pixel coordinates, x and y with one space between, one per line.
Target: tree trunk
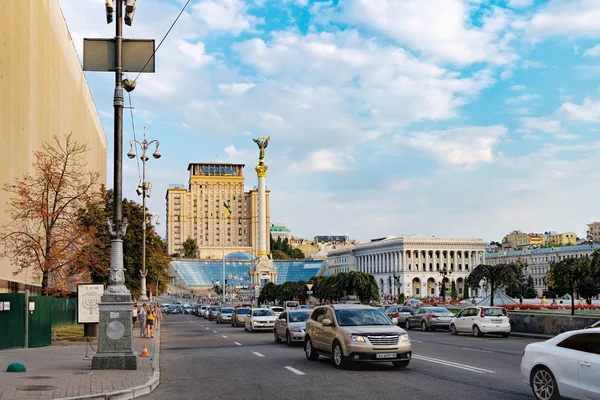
45 283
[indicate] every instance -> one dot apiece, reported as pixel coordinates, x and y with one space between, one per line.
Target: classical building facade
539 260
197 212
280 231
563 239
412 265
43 93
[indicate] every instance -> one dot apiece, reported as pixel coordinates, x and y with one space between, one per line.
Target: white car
566 366
259 319
481 320
277 310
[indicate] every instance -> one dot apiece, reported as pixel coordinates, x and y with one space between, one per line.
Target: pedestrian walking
142 315
134 313
151 316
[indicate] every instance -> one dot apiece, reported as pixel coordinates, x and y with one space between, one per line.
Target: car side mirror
326 322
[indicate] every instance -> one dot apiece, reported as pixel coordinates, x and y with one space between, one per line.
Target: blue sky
452 118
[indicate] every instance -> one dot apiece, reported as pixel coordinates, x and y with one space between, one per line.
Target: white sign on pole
309 286
88 297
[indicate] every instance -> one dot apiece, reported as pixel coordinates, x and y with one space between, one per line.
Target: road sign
309 292
99 55
309 286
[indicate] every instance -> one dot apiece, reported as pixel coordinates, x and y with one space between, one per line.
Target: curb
532 335
136 391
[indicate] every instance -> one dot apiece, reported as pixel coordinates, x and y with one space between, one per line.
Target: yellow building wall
563 239
43 92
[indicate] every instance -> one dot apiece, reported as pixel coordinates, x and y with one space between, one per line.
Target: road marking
207 327
416 341
294 370
224 336
215 332
238 343
454 365
479 350
258 354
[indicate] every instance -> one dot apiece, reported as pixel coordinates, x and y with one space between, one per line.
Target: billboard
88 297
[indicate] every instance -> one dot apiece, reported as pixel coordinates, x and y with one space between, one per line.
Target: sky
446 118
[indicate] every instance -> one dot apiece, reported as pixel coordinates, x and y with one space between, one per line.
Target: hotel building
197 212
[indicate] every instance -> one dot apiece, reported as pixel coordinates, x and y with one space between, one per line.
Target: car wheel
476 331
424 326
543 384
311 354
407 325
401 364
338 355
277 340
505 334
453 330
288 339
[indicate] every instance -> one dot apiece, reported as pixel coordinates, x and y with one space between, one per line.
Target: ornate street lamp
444 272
143 190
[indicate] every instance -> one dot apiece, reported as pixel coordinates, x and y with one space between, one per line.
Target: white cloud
589 111
458 146
234 154
225 15
592 52
272 118
522 99
324 160
195 52
235 89
439 28
517 88
543 124
530 64
520 3
570 18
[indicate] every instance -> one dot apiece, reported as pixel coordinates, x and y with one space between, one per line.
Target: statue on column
262 143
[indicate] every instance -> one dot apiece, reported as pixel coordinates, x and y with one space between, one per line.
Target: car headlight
357 338
404 338
296 329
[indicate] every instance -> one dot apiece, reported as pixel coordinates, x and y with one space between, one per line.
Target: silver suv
354 332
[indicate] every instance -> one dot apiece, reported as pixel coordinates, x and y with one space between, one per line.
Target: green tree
570 272
494 276
190 248
454 295
530 292
297 254
279 255
267 293
157 259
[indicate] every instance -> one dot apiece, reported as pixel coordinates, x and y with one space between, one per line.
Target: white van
291 305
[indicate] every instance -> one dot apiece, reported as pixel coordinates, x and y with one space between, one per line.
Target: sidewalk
60 372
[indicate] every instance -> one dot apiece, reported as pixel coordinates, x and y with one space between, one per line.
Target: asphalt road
204 360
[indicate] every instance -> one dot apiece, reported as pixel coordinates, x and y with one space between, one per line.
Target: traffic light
129 11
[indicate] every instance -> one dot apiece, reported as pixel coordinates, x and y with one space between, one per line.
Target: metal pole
26 318
118 122
143 295
223 248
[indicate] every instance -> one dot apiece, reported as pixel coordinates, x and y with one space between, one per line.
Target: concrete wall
548 324
43 92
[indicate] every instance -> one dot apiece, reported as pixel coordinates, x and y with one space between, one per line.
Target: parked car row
478 320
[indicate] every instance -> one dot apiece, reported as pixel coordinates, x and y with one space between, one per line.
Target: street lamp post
444 272
143 190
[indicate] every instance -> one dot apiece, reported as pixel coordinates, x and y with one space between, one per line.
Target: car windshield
226 310
299 316
494 312
362 317
262 313
214 308
241 311
277 309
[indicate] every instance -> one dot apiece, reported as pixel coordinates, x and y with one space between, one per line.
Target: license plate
385 355
496 321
